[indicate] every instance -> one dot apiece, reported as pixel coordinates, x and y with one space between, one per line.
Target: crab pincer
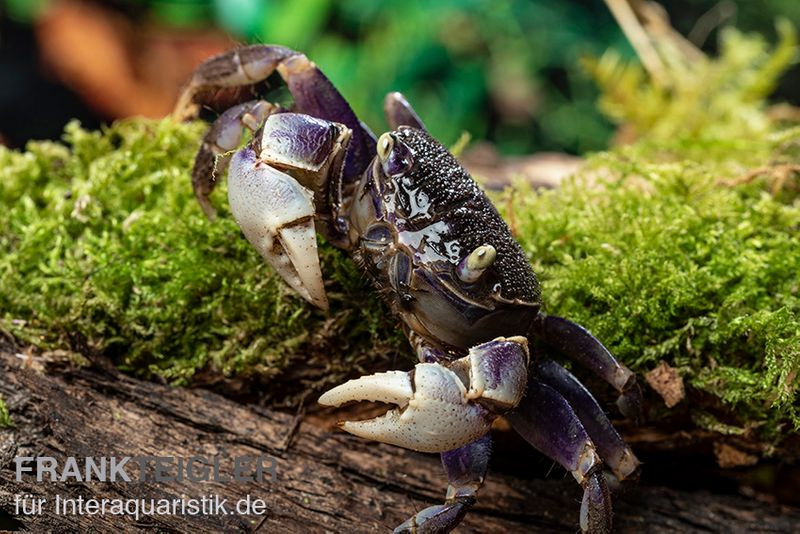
276 188
276 214
440 407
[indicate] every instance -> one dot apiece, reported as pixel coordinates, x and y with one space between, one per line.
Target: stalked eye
385 145
395 156
473 266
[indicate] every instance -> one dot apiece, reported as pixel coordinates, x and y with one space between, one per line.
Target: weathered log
326 481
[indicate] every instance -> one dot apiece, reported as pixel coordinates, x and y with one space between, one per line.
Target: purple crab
444 261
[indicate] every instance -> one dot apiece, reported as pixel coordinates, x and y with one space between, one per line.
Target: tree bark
326 480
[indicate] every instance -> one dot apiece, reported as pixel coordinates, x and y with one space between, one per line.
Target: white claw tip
393 387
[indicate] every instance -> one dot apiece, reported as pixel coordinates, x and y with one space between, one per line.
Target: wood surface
326 481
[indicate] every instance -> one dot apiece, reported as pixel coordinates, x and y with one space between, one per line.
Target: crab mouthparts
276 215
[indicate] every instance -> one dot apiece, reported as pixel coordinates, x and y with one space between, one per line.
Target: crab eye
395 156
472 267
385 145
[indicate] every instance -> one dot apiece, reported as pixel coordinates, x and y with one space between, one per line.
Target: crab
443 259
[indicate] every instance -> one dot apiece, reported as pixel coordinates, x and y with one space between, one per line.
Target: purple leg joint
466 468
546 421
575 342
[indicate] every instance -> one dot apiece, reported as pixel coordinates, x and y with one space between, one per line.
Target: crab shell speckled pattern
418 214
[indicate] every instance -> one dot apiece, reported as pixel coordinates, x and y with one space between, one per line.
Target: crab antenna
472 267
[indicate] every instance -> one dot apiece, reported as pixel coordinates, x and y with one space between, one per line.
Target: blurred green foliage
505 71
697 96
508 71
491 68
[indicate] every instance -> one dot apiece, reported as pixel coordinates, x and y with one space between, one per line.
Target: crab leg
466 468
312 92
315 95
235 68
546 421
613 450
575 342
399 112
224 136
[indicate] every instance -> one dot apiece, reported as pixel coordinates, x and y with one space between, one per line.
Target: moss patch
668 258
662 254
5 417
107 251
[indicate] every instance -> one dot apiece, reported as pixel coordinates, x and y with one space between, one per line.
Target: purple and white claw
276 214
440 408
434 414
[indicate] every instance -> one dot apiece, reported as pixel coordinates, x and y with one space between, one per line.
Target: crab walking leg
224 136
238 67
315 95
546 421
276 214
311 90
613 450
575 342
399 112
466 469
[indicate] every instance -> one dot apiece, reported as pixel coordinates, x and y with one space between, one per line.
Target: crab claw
440 408
276 214
434 414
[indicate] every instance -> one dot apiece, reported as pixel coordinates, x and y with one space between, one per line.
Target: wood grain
326 481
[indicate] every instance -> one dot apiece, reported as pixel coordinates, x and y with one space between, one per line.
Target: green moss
673 248
651 252
5 417
693 96
108 251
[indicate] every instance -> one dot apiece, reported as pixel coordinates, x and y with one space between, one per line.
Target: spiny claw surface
276 214
434 413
